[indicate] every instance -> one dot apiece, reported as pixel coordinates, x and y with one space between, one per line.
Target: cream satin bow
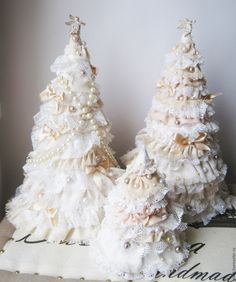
51 212
49 94
208 98
95 160
47 131
191 147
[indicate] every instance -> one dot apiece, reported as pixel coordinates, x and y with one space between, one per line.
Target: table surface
6 230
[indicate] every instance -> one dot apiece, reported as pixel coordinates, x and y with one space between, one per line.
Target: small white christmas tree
141 232
67 175
180 134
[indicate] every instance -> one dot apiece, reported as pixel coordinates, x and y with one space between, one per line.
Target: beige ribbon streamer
52 212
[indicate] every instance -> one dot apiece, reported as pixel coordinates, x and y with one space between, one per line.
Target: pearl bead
98 159
84 200
83 72
180 98
59 277
81 278
126 180
95 127
92 121
184 49
83 116
161 181
191 69
2 251
126 245
177 122
72 109
89 103
85 110
216 157
74 98
17 272
89 116
177 249
168 239
188 207
149 176
205 170
68 179
81 122
36 273
93 89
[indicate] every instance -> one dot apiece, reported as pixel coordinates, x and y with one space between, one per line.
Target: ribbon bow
95 160
75 23
50 132
192 147
208 98
49 94
51 212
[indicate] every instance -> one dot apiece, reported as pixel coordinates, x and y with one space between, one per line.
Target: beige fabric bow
185 146
147 218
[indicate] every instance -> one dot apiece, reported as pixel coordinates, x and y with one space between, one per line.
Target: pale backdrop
128 40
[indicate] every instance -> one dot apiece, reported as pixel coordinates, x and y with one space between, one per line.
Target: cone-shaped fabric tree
67 175
141 232
180 134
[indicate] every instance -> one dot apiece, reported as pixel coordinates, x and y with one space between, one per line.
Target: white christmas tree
141 232
180 134
67 175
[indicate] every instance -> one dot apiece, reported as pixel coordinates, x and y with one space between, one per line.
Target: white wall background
127 40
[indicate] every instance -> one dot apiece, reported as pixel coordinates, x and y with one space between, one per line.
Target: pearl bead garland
50 154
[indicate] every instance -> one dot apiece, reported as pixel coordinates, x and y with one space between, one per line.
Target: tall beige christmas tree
68 173
181 134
